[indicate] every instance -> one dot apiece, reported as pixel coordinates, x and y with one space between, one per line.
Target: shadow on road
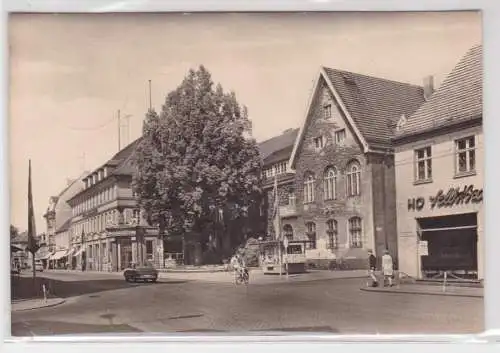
29 288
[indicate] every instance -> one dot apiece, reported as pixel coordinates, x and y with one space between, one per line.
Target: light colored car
38 266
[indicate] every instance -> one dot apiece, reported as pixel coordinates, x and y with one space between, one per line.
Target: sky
71 73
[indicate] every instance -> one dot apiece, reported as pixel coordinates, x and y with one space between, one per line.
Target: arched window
288 231
355 233
309 188
311 235
353 179
331 230
330 184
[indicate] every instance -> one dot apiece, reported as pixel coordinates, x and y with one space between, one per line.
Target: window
327 109
353 179
309 188
292 199
466 155
288 231
355 233
318 142
149 250
330 184
331 230
311 235
423 164
340 136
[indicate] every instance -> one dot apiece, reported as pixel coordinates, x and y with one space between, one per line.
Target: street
105 303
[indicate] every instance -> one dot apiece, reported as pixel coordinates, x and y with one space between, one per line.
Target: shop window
309 188
330 184
465 155
311 235
353 179
355 233
423 164
332 232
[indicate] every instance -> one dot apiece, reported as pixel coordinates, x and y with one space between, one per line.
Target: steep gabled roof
64 226
374 102
460 98
278 147
370 105
124 157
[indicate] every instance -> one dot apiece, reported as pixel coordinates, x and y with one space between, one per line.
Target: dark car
141 273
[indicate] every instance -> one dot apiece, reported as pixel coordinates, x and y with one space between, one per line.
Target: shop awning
14 248
70 251
44 256
58 255
79 252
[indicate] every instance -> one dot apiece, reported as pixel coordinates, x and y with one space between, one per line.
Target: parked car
38 266
141 273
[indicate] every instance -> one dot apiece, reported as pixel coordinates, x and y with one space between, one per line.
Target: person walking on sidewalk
372 267
387 267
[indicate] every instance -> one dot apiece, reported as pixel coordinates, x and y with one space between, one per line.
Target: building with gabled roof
339 197
439 167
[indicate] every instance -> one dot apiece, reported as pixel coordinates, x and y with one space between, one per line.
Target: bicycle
242 277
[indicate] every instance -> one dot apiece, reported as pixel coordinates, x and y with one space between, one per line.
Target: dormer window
401 122
327 111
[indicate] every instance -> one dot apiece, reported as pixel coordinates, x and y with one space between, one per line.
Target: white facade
416 193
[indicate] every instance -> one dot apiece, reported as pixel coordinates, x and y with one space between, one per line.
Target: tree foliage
194 159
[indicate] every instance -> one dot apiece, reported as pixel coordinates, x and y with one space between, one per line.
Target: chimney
428 86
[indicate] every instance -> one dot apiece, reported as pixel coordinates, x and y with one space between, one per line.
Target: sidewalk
427 289
31 304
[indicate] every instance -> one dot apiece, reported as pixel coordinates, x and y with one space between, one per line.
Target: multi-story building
337 192
107 231
59 211
439 168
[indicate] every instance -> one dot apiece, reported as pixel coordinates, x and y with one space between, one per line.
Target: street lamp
83 249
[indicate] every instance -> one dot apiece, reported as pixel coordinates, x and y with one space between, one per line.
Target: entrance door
125 253
452 244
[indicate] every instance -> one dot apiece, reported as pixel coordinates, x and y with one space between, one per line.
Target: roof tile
458 99
375 102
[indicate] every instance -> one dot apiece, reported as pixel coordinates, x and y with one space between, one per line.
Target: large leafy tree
196 167
14 232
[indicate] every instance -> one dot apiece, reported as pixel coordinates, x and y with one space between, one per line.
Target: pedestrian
372 260
387 267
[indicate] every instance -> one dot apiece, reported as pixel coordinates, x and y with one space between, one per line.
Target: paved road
108 304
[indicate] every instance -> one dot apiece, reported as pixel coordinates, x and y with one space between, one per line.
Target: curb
59 302
422 293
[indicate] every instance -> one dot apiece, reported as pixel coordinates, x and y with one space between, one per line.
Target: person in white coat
387 267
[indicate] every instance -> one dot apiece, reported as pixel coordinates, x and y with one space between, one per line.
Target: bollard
44 293
444 282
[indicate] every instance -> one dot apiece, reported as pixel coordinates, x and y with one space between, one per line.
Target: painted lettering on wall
454 196
416 204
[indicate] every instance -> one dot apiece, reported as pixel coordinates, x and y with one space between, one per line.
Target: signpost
423 248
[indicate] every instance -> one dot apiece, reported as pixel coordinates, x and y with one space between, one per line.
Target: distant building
439 168
57 216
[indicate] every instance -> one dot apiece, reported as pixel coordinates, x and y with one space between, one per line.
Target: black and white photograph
246 173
